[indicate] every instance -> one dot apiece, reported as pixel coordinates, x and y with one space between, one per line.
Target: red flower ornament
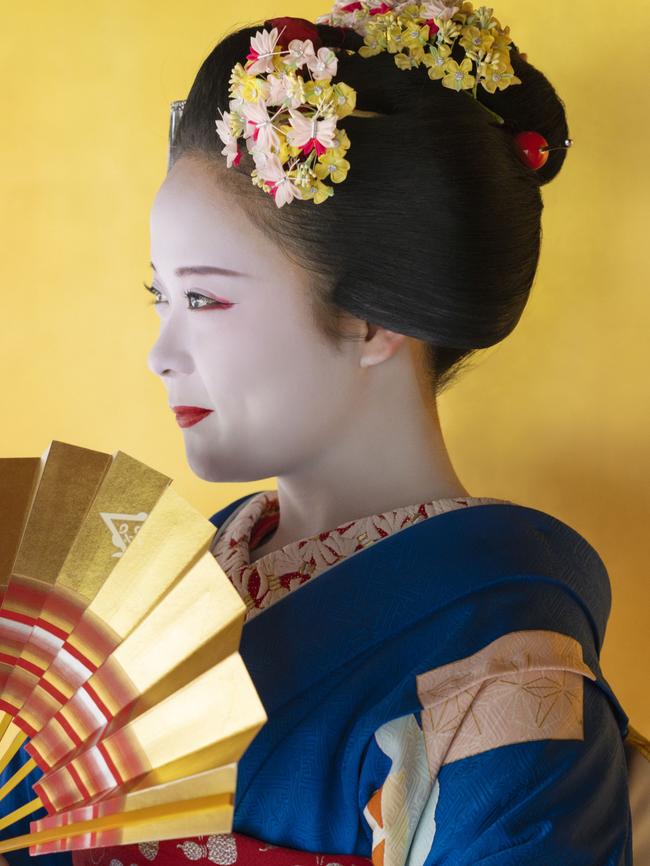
433 27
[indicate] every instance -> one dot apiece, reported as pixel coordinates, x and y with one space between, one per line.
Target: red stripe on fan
101 748
111 682
8 659
45 800
47 686
76 778
33 753
79 656
95 638
27 592
24 726
99 703
30 666
18 617
46 625
67 727
8 708
65 607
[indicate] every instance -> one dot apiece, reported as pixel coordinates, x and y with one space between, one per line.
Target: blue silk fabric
338 657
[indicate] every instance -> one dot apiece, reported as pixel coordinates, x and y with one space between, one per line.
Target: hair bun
535 106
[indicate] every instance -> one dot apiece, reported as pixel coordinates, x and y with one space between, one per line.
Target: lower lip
188 419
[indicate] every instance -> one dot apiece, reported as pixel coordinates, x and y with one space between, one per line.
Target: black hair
436 230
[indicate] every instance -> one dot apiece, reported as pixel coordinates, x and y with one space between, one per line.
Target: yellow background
555 417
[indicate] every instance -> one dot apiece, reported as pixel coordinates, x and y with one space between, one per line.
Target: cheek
315 388
269 364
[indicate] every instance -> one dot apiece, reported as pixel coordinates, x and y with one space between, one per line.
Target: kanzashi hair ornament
285 102
533 148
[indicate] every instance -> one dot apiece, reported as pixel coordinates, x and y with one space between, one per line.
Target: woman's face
244 344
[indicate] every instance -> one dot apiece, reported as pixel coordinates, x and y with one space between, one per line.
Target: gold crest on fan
119 663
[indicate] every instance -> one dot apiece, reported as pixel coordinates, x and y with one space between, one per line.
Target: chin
206 468
210 465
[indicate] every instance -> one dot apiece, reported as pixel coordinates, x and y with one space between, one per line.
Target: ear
380 344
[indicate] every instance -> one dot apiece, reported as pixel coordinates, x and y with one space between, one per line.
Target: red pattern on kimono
284 570
224 849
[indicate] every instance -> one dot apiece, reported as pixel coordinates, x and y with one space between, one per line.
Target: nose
168 355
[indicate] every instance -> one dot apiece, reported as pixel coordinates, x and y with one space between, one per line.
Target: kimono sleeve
514 758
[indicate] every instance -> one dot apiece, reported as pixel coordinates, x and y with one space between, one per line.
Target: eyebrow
201 270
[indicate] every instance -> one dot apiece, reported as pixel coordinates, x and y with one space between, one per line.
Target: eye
154 291
201 300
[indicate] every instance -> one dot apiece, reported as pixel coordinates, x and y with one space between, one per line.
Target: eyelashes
154 292
211 303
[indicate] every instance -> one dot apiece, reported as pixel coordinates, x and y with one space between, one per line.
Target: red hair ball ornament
533 148
294 28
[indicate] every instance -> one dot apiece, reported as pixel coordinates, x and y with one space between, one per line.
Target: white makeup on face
242 345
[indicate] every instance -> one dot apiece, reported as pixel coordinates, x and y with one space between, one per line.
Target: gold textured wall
555 417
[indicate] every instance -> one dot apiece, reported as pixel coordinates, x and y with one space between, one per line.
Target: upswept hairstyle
436 231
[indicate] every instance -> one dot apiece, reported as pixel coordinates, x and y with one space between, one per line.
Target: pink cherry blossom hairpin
289 120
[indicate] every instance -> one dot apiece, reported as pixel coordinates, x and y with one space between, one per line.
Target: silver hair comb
175 113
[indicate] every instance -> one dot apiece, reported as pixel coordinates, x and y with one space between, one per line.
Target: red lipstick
187 416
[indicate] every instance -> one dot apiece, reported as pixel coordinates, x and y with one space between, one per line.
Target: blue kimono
436 698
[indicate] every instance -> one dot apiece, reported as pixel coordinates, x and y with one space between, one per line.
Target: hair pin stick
567 144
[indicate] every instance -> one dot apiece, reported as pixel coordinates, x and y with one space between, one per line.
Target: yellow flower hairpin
286 105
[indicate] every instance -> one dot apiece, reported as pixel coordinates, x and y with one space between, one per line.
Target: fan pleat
118 654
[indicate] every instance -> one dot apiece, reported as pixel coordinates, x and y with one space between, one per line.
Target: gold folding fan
119 662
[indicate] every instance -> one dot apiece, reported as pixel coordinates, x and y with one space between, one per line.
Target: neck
393 454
